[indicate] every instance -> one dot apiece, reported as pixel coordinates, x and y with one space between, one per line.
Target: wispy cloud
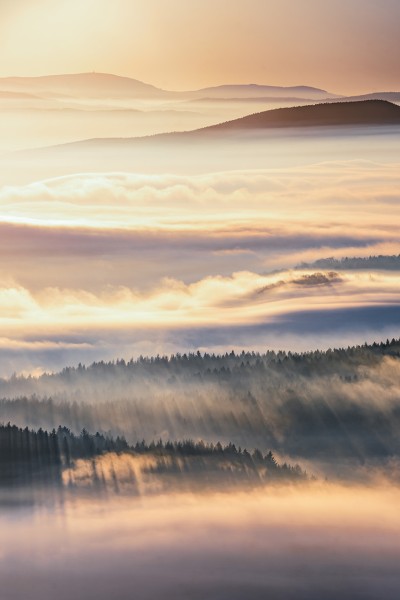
150 259
243 309
130 201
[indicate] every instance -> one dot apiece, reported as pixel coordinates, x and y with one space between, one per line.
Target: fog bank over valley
199 335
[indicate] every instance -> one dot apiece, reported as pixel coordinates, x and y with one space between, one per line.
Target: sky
348 46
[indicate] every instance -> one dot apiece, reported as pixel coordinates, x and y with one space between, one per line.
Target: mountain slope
104 85
88 85
333 116
389 96
367 112
259 91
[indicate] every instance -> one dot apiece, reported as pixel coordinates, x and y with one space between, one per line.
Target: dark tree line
335 405
28 456
380 262
206 366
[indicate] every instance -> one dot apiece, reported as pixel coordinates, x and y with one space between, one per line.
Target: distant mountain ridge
389 96
104 85
253 90
93 85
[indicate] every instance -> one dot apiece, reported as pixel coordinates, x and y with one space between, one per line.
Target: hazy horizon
302 43
262 81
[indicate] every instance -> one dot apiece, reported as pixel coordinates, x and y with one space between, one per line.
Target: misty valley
315 454
199 314
333 408
338 411
138 451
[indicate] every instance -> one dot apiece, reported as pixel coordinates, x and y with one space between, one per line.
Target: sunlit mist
199 300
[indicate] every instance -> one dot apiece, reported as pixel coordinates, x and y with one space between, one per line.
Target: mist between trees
332 408
41 466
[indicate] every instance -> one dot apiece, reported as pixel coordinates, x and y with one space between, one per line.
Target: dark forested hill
332 406
35 459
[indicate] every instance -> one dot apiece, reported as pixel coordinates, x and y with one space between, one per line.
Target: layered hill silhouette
367 112
389 96
256 132
251 91
338 114
104 85
87 85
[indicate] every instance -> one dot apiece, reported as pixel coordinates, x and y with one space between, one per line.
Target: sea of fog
173 244
303 542
199 244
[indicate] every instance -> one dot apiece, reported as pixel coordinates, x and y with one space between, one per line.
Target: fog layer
281 543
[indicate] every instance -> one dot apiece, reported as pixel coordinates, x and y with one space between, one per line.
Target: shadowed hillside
335 406
31 458
368 112
338 114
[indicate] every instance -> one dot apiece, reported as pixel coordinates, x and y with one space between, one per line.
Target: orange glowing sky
348 46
